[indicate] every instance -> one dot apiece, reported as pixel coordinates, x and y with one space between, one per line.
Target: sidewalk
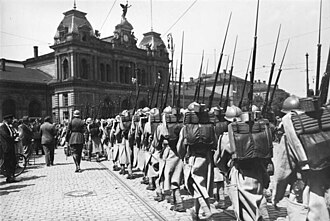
98 193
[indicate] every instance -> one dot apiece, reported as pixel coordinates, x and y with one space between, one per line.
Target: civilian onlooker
7 146
26 135
48 132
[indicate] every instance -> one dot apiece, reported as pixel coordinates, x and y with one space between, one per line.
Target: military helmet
290 104
232 113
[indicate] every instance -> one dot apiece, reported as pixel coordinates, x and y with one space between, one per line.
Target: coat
76 131
7 149
170 166
25 134
313 206
47 132
247 180
198 168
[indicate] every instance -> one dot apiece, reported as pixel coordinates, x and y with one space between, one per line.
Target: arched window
35 109
102 71
84 69
65 68
108 73
8 107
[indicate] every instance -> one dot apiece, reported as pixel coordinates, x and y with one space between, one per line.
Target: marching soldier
302 160
196 141
171 167
245 154
115 139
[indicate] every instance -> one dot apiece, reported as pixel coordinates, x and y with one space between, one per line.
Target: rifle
152 94
137 97
156 104
318 55
245 80
264 109
325 83
200 78
224 82
230 76
162 97
254 55
218 68
207 66
174 88
180 75
278 75
167 90
307 77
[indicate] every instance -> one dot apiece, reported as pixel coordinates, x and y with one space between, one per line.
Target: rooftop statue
125 7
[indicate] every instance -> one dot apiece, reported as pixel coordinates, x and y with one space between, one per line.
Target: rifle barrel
180 74
219 65
245 80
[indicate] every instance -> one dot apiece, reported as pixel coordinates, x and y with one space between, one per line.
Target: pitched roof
28 75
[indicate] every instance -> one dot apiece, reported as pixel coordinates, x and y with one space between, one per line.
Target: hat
233 113
8 116
291 104
47 119
25 119
167 110
146 109
76 113
89 120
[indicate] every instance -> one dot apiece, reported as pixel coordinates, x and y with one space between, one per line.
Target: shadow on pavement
31 178
66 163
12 188
94 169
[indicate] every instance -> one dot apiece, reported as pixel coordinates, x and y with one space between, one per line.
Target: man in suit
48 132
7 143
26 135
76 138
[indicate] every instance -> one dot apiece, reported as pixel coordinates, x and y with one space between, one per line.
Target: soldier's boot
122 169
145 180
205 206
159 197
152 184
177 200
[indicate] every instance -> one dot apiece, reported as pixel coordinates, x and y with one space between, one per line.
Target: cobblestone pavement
98 193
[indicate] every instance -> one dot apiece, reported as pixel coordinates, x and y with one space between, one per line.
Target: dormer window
84 37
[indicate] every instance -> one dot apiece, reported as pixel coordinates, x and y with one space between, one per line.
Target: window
121 75
65 68
102 71
143 79
108 73
65 101
127 76
84 69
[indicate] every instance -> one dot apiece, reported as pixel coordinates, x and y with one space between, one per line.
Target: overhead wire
180 17
108 14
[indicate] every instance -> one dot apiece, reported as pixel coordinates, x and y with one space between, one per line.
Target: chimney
191 80
264 82
3 64
259 81
35 49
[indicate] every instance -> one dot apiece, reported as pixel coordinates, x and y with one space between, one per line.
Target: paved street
57 193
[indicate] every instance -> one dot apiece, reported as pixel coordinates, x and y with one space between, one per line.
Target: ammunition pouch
250 144
313 130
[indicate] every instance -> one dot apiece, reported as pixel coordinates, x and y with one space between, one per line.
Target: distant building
85 72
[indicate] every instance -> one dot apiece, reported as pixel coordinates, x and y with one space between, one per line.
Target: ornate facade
93 74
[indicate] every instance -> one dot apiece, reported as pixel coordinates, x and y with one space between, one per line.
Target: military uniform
302 160
196 141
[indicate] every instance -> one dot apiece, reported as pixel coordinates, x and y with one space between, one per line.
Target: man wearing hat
170 166
196 141
76 138
245 155
26 135
302 160
7 143
47 133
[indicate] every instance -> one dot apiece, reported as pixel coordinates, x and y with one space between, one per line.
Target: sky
28 23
